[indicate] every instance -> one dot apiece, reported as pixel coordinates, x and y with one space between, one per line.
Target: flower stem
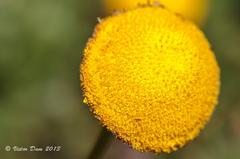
100 145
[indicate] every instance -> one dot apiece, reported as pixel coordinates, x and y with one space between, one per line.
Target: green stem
100 145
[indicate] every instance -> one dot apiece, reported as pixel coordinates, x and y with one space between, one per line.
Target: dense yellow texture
150 77
195 10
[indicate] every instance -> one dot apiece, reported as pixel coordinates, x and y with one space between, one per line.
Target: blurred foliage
40 99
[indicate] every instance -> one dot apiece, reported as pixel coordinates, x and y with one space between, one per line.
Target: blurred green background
41 43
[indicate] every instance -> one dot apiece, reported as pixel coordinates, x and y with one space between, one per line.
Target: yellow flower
195 10
151 78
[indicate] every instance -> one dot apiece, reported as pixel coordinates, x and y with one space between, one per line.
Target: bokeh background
41 43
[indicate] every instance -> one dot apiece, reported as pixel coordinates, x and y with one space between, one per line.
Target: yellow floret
195 10
151 78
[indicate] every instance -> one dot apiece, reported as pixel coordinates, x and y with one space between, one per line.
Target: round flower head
195 10
151 78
